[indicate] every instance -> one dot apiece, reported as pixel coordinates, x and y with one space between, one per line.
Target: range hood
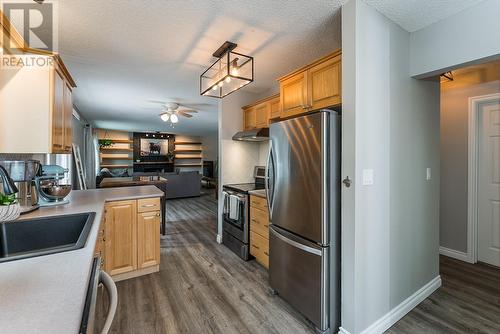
261 134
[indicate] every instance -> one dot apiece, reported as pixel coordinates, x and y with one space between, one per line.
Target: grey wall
454 158
390 125
462 38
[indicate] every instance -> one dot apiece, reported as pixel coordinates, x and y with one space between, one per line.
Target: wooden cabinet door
249 118
262 115
58 114
275 109
293 94
121 237
68 118
148 239
324 84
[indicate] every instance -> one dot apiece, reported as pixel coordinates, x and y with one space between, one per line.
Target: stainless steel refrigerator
303 191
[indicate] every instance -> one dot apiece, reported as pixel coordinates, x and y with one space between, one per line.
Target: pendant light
229 73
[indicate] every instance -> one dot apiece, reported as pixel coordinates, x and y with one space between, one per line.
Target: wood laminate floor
467 302
202 287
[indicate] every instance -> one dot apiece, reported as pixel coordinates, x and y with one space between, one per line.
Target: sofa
180 184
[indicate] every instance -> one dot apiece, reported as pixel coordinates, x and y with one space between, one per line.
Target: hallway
467 302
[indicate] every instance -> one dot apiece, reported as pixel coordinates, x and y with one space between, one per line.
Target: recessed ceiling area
126 54
413 15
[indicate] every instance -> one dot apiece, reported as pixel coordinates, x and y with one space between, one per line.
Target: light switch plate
367 177
428 174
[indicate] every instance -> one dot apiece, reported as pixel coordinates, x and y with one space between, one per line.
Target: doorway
470 149
488 178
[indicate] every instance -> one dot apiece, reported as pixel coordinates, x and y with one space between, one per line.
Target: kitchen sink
42 236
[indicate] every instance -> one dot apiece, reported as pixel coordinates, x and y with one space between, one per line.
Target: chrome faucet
9 188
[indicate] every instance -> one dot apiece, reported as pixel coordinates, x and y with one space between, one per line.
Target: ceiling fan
172 112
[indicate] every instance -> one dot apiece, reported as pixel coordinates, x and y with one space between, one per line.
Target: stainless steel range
235 220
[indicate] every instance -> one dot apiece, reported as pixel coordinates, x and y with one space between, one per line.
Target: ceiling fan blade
189 111
157 101
196 105
184 114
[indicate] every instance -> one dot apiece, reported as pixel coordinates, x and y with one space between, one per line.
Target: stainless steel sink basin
42 236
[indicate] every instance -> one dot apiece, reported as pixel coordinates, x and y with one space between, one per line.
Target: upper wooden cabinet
258 114
249 120
293 93
35 99
262 115
275 106
315 86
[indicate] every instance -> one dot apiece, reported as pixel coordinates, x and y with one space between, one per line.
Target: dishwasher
98 276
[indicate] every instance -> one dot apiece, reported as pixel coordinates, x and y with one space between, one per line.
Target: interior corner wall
467 36
236 159
391 250
454 159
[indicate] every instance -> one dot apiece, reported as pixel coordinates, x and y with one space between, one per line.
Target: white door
489 184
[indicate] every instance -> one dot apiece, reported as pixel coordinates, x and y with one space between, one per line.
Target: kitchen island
46 294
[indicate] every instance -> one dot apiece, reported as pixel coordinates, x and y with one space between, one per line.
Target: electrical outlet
428 174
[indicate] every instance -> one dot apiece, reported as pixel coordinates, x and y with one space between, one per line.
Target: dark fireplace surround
150 161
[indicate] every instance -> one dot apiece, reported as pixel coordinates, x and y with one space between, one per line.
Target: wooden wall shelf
116 166
187 151
186 143
121 141
124 149
188 165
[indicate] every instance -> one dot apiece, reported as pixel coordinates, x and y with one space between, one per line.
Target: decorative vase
9 212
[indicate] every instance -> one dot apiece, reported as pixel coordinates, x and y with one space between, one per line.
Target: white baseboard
384 323
455 254
219 238
343 331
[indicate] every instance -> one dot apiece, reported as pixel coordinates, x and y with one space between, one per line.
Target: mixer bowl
55 192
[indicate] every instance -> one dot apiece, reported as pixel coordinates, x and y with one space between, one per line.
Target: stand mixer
49 186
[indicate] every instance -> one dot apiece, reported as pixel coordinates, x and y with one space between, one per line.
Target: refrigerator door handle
269 195
295 243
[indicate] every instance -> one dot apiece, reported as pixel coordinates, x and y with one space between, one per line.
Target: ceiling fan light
174 118
165 117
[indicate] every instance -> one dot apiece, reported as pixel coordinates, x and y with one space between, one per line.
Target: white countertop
46 294
258 192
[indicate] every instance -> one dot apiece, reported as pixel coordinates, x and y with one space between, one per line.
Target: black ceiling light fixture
229 73
39 1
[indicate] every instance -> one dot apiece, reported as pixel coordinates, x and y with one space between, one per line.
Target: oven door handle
110 286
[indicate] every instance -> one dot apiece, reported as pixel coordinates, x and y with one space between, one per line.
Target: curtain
90 154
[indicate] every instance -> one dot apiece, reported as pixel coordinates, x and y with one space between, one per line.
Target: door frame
475 104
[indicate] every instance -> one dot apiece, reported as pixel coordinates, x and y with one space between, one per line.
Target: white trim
474 107
343 331
394 315
219 238
455 254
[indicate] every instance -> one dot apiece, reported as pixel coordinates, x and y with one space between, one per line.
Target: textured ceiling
413 15
123 54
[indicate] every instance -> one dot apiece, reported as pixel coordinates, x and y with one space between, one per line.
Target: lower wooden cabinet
259 230
131 238
148 239
121 237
